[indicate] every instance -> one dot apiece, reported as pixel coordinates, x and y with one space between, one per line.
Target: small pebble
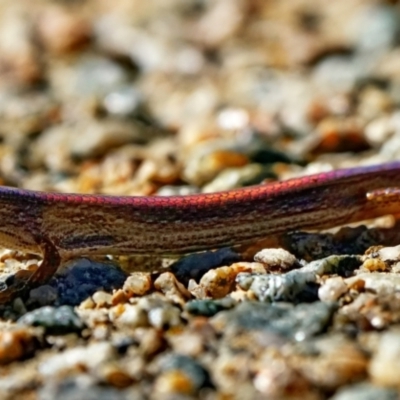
102 299
165 316
131 316
196 374
171 288
16 344
332 289
137 284
373 264
55 320
277 258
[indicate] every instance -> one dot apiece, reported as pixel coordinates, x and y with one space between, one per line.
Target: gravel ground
164 97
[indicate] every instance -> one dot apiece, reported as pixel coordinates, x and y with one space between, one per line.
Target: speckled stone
209 307
82 277
61 320
277 258
282 319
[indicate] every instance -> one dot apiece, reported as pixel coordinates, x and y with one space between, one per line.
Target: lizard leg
51 262
20 283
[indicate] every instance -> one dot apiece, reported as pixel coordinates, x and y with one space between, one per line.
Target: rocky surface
177 97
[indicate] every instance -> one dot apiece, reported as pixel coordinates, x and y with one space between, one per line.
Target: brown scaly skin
60 226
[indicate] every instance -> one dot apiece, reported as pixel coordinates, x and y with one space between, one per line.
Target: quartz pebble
278 258
332 289
173 290
138 283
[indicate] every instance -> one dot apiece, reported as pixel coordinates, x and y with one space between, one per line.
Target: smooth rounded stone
91 357
332 289
287 321
82 277
17 343
385 362
197 374
115 375
132 316
164 316
55 320
379 282
173 384
296 285
123 102
232 178
138 284
277 258
365 391
209 308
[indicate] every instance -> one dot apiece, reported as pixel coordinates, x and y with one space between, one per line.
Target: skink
60 226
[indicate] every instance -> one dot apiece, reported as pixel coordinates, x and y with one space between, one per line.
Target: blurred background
182 96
